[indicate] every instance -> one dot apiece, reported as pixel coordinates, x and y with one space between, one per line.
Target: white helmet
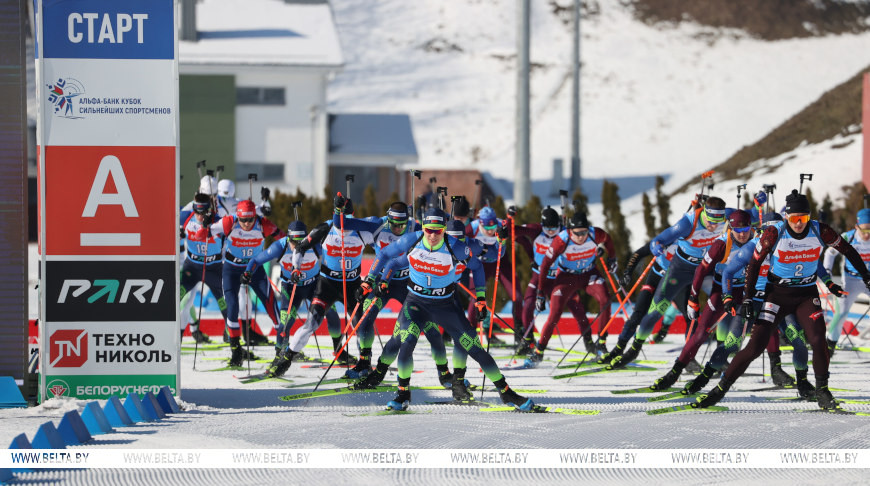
226 188
208 185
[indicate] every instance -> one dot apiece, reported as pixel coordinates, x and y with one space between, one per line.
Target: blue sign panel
108 29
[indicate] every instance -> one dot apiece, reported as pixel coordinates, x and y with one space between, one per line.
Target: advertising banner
107 131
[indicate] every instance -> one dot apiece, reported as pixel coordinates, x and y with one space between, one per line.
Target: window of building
246 95
264 171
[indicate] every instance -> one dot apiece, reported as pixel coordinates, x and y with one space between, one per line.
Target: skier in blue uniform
201 252
859 238
302 277
435 262
338 248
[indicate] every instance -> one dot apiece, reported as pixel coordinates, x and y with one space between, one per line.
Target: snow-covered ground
221 413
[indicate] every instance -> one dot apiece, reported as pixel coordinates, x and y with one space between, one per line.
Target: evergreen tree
827 211
386 204
499 207
648 219
614 221
369 206
531 212
813 204
663 204
582 202
747 201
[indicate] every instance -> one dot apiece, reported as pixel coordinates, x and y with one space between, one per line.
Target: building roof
371 134
263 32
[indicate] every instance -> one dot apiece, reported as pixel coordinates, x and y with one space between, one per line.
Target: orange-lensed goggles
798 218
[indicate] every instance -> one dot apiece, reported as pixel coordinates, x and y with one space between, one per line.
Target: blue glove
656 248
760 198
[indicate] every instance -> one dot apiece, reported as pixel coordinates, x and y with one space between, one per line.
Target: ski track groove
221 412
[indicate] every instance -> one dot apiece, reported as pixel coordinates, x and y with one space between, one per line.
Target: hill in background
763 19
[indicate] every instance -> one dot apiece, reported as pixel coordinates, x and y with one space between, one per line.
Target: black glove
338 203
600 251
512 211
834 288
867 281
181 234
482 311
245 278
612 266
504 232
747 310
540 303
264 193
303 245
295 277
626 279
728 304
363 291
381 289
207 218
266 210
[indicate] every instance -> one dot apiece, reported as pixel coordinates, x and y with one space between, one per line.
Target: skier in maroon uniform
541 235
795 247
574 251
718 255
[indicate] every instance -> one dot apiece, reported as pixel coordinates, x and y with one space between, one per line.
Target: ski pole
704 177
316 343
338 353
740 187
218 171
347 180
248 329
491 311
344 274
442 194
289 324
251 178
415 174
513 260
563 194
808 177
613 285
199 314
612 317
211 192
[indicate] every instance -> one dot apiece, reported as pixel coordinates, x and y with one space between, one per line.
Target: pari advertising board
107 130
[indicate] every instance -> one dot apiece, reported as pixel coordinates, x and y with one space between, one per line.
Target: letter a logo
110 166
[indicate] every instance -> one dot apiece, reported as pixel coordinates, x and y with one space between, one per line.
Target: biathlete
435 262
244 238
859 238
541 236
296 280
795 249
574 252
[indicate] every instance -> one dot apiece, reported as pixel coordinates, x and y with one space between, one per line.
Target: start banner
107 131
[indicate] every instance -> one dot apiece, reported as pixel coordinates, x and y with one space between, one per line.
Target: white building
278 57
